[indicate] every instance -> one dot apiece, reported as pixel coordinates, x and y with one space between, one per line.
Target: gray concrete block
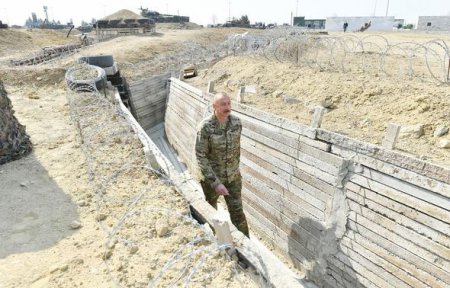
394 171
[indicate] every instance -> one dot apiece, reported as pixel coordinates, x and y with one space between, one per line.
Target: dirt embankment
57 231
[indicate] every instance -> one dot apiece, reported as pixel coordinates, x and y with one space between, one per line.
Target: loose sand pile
123 14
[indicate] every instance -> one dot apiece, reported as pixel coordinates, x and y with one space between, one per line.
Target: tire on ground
102 61
86 85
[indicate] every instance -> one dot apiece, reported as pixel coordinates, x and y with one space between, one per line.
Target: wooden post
240 95
210 88
390 138
317 117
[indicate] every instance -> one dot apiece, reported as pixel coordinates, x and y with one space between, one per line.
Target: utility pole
374 8
229 10
46 14
387 8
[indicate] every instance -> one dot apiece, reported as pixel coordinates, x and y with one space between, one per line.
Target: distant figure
345 26
365 27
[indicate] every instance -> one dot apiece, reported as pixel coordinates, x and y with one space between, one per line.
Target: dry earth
44 193
57 229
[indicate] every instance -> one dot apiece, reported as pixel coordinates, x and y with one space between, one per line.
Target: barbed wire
47 55
371 54
132 199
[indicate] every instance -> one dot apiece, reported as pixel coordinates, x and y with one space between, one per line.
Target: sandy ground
44 193
58 230
360 104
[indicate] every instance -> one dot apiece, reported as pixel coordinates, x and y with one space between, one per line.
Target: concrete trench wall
149 100
349 213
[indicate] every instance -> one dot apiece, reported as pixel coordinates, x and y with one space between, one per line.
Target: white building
355 23
434 23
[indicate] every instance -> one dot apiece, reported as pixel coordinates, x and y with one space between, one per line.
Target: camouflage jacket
218 149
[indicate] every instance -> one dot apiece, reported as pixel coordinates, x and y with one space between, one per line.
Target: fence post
317 117
240 95
210 88
390 138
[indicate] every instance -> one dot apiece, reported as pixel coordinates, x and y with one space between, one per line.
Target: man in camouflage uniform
217 149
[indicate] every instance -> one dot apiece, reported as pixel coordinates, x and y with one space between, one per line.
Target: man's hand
222 190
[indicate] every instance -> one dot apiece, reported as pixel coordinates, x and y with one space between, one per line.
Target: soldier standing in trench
217 149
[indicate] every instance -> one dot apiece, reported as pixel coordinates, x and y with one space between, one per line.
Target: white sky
204 11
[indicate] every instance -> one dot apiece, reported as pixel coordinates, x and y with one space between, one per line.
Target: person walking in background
345 26
217 150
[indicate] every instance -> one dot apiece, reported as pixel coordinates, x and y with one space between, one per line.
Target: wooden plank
275 199
267 150
185 118
280 239
265 173
432 227
395 244
412 190
421 246
151 110
389 280
305 168
269 142
272 132
350 275
394 171
315 192
391 253
398 196
176 96
255 150
279 200
291 229
275 120
371 279
393 157
266 165
190 116
148 100
382 263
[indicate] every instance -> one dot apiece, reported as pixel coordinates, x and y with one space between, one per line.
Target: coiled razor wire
371 54
47 55
132 198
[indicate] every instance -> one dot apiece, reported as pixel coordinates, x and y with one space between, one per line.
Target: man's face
222 106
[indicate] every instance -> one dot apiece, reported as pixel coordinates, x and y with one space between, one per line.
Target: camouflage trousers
234 203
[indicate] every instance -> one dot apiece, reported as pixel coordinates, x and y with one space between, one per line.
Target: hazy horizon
207 12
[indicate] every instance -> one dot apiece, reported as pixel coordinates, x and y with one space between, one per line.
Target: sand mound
123 14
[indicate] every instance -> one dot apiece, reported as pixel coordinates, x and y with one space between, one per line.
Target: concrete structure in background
355 23
433 23
300 21
398 23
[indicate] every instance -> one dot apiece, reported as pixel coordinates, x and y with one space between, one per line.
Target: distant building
300 21
355 23
433 23
398 23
